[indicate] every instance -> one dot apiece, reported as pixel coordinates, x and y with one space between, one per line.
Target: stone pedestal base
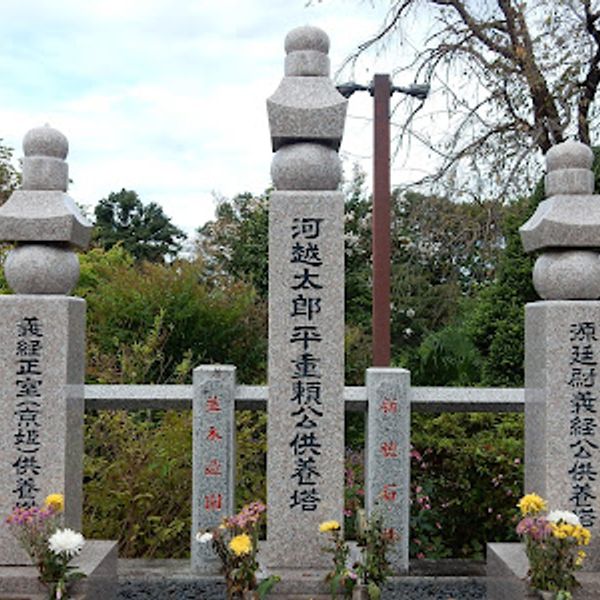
98 560
507 570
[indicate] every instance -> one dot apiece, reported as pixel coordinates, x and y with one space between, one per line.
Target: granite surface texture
43 216
98 561
213 463
306 106
561 343
570 216
307 63
306 166
42 370
567 275
41 269
44 166
563 221
306 373
388 456
41 211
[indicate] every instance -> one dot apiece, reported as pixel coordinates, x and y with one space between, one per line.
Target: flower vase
546 594
360 592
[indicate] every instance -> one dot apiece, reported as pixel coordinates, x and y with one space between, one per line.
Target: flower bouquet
366 575
554 544
49 546
235 542
341 578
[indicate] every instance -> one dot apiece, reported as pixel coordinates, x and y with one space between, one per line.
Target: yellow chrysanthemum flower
564 530
329 526
580 558
55 501
241 544
531 504
583 536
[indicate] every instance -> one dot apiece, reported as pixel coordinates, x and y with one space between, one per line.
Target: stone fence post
388 456
213 462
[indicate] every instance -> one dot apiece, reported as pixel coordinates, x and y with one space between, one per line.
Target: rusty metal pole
381 91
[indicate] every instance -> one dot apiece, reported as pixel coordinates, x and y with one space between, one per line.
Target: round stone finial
306 37
569 169
569 155
306 166
45 141
41 269
567 275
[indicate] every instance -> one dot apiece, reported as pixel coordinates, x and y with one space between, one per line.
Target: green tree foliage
143 230
152 323
173 312
236 243
10 177
137 482
442 251
496 325
357 252
467 477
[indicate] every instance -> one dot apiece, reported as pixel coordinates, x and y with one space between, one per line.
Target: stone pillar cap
41 211
569 155
306 37
306 107
570 216
45 141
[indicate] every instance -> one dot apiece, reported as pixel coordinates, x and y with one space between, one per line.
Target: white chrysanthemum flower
66 541
565 516
204 538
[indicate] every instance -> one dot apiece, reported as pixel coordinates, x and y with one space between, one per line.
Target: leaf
374 591
266 585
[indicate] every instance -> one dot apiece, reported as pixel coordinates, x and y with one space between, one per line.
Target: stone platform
98 560
506 575
141 579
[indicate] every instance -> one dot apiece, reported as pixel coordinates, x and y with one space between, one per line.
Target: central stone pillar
305 459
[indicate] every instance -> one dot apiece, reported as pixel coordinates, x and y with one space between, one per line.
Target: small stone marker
388 456
213 458
305 457
42 341
562 343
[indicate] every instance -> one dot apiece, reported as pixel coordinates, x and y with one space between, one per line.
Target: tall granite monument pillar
562 342
42 341
305 469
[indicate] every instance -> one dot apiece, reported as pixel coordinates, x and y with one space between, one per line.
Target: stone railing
254 397
214 396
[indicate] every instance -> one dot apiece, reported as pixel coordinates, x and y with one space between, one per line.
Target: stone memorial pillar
305 458
388 456
562 343
42 341
213 465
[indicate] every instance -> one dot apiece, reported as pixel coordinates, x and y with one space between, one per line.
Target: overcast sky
168 97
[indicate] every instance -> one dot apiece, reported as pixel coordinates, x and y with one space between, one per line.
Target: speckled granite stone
562 349
42 353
